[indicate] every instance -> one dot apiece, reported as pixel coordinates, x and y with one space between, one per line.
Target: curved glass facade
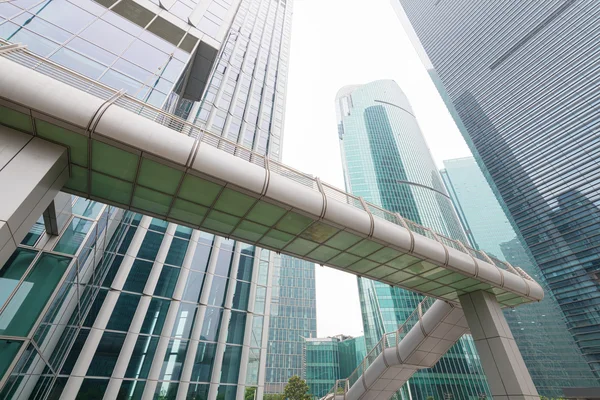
520 79
386 161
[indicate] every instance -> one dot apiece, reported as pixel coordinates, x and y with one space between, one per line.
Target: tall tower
105 303
520 80
387 162
550 353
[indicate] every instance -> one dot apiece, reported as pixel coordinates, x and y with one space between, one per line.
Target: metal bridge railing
20 55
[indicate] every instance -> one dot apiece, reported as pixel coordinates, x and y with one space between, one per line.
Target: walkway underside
136 157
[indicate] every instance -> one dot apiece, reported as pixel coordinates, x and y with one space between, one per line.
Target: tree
296 389
250 393
273 397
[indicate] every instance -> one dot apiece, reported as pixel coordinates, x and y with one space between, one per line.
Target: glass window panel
141 358
223 262
96 305
146 56
241 296
201 256
136 280
231 364
122 23
131 390
67 367
126 240
205 357
184 320
92 389
46 29
106 355
150 246
64 14
193 286
259 303
120 319
237 327
245 267
107 36
34 233
13 270
73 236
7 10
218 289
257 329
167 281
78 63
158 225
155 317
177 252
32 295
171 368
166 391
173 70
118 81
134 71
112 271
87 208
263 271
8 351
211 323
253 367
35 43
197 391
183 232
92 51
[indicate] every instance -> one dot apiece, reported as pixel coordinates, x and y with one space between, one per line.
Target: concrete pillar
32 171
502 362
57 214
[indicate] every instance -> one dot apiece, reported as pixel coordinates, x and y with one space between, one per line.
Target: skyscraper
387 162
540 330
293 318
116 304
520 80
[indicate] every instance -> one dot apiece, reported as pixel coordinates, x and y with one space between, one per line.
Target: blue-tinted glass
79 63
120 319
166 390
200 259
237 328
203 364
13 270
245 267
174 357
193 286
198 391
176 252
107 36
35 43
184 320
92 389
96 306
241 295
131 390
183 232
167 281
141 358
211 323
150 246
8 351
155 317
75 351
136 280
218 289
106 355
126 240
158 225
73 236
64 14
120 81
91 51
112 271
87 208
231 364
34 233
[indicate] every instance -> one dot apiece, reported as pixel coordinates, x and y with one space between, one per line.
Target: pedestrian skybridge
124 152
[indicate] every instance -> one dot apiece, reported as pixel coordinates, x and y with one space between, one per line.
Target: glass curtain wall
387 162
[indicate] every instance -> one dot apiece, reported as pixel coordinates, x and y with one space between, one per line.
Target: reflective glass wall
540 330
520 80
387 162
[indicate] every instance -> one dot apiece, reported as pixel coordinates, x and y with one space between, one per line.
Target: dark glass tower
540 330
120 305
387 162
520 79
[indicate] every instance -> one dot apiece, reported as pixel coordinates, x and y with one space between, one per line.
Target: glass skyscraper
387 162
550 352
293 318
327 359
520 79
120 305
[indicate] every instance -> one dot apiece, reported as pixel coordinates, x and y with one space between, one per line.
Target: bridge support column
502 362
32 171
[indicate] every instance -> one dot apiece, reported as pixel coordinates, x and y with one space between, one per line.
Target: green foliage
250 393
273 397
296 389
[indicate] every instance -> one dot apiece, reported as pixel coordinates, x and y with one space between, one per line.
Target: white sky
337 43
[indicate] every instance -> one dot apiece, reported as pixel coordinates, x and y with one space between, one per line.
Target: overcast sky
337 43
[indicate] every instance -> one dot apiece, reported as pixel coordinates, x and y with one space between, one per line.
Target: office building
329 359
387 162
540 330
293 318
131 305
520 79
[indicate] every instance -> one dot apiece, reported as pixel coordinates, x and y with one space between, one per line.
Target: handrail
388 340
22 56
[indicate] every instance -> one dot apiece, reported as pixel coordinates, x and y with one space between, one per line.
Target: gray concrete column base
501 359
32 171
